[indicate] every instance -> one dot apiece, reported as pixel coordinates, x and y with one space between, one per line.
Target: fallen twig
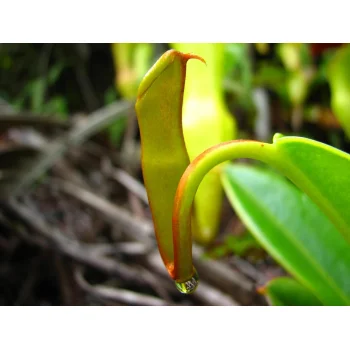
80 252
117 295
139 228
95 122
130 183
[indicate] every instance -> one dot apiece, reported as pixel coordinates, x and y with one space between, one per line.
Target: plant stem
188 185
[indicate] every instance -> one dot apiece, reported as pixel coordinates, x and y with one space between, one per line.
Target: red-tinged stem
187 188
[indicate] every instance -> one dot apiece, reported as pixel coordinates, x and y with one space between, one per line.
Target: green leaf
292 229
321 171
285 291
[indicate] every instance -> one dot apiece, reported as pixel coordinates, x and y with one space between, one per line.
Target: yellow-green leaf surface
206 122
339 80
285 291
164 155
292 229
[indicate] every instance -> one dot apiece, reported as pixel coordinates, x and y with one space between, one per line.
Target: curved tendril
187 188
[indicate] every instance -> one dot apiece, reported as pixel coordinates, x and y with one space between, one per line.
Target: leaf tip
188 56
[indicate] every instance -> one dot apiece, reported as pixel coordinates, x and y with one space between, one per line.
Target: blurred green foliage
243 245
63 79
56 79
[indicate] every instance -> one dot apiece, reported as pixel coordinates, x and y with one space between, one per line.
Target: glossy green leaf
292 229
322 171
339 80
285 291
